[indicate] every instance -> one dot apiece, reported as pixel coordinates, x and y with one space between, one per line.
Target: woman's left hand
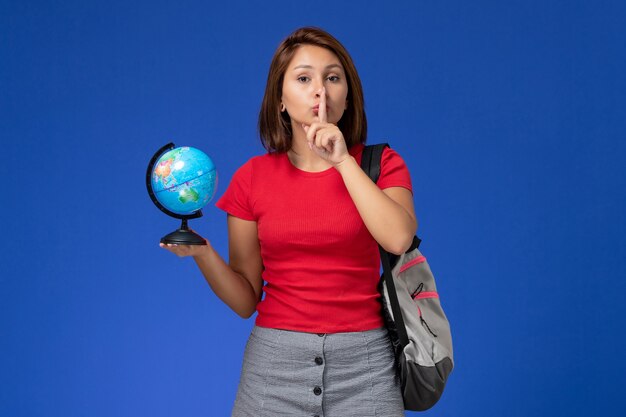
325 139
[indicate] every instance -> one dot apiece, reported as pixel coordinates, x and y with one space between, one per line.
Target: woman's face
310 69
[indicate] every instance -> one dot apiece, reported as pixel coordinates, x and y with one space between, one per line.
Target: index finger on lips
321 112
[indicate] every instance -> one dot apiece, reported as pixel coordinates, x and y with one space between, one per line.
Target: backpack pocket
426 322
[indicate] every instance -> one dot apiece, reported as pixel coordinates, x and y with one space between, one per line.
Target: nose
319 86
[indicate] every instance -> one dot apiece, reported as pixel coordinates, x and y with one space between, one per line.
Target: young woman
306 220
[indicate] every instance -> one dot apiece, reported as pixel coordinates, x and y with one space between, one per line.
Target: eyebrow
310 67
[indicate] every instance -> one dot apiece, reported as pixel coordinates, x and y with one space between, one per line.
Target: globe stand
183 236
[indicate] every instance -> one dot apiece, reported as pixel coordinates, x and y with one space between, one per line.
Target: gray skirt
287 373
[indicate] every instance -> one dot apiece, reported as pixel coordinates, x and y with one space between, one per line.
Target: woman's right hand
187 250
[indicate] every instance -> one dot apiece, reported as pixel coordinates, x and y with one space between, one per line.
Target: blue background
511 116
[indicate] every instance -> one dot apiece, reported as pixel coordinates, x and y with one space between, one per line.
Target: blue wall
510 115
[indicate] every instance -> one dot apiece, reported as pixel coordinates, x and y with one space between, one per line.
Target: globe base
183 237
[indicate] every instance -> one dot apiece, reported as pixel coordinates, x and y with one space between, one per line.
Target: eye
333 78
303 78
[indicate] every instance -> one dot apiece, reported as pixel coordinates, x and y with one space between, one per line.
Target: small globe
184 180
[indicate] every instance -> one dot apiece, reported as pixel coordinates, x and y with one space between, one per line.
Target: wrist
343 165
204 251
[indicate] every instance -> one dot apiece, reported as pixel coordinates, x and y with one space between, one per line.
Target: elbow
246 314
395 251
246 311
400 245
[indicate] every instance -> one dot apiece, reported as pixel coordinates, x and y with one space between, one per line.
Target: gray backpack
418 328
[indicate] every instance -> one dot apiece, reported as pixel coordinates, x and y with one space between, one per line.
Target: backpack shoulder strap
370 161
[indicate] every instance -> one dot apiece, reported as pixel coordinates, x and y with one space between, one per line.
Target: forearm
230 286
389 223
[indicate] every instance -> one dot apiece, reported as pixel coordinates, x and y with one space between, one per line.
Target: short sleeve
236 198
393 171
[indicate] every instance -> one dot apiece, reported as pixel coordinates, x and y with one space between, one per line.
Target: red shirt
321 264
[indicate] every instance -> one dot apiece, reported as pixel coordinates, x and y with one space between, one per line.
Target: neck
301 156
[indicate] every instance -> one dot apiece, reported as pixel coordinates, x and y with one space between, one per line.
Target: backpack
417 326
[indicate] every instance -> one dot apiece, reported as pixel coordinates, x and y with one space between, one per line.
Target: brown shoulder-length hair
274 126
